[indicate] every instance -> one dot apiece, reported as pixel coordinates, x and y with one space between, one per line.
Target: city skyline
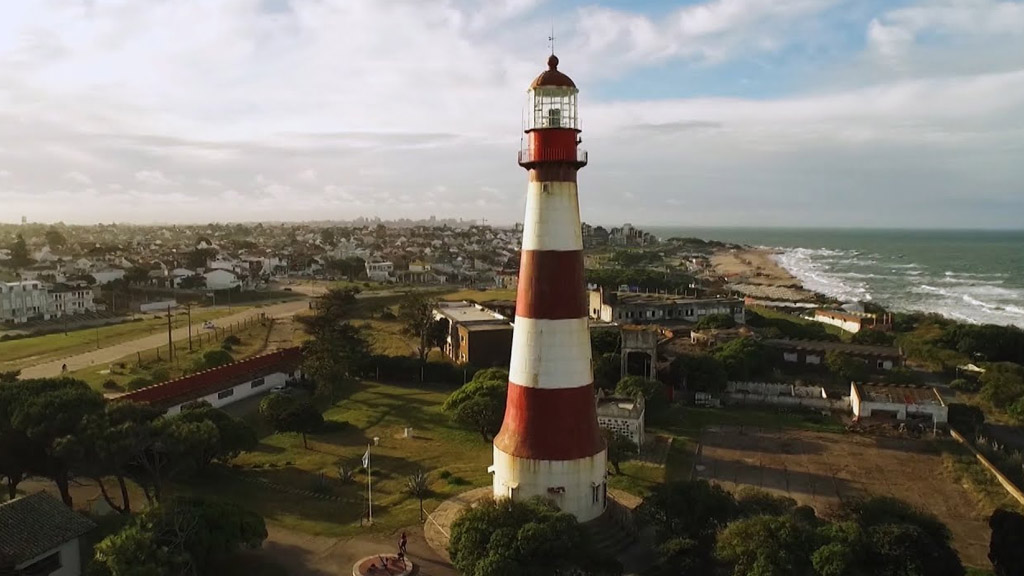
721 113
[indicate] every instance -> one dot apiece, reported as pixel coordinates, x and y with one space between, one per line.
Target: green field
125 369
24 352
374 410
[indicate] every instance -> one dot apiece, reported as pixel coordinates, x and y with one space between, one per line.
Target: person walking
403 545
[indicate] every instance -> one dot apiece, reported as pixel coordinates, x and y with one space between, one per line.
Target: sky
852 113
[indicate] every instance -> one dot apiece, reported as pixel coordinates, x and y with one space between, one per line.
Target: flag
366 458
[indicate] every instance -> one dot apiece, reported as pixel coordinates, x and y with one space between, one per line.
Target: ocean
972 276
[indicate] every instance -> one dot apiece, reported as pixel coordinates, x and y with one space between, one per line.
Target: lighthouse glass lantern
553 107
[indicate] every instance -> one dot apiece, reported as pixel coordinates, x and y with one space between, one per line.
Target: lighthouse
550 444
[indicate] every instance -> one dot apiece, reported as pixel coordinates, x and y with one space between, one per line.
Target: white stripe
552 220
551 353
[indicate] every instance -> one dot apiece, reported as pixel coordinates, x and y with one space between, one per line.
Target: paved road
118 351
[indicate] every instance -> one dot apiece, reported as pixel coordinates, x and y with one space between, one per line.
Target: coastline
757 273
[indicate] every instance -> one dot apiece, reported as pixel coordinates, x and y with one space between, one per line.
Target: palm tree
418 486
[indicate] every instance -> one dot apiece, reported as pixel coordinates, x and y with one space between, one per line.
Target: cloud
266 111
78 177
153 177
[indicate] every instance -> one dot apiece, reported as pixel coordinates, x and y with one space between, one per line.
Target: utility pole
170 340
188 309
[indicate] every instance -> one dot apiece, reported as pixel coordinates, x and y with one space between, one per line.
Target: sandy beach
756 273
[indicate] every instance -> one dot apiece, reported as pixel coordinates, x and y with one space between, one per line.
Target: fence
202 338
1007 484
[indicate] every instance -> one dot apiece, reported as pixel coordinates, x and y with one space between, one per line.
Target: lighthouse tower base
579 487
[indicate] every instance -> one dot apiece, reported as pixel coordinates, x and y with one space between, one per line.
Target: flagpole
369 483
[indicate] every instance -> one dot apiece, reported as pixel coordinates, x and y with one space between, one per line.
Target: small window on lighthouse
554 118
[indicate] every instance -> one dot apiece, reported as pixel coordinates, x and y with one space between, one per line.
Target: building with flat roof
622 415
870 400
636 308
814 351
24 301
852 322
474 334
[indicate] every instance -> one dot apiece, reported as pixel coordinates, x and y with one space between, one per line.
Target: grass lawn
253 342
386 338
480 295
17 354
455 460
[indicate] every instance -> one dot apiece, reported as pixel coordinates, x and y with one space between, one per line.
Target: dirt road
112 353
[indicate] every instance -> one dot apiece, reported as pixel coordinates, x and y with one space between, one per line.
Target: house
622 415
24 301
225 384
636 308
379 270
68 299
39 535
107 276
475 335
219 279
814 352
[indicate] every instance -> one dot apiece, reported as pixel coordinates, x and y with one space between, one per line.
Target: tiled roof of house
195 386
35 524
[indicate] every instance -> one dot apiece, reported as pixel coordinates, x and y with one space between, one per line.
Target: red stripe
551 285
550 424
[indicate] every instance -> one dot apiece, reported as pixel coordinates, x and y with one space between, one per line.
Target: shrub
113 386
444 474
137 383
965 385
159 374
232 340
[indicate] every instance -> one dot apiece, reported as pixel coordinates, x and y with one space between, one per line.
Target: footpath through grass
17 354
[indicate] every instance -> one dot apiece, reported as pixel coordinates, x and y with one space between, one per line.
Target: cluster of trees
480 403
702 529
288 414
1002 384
59 428
987 342
180 536
505 537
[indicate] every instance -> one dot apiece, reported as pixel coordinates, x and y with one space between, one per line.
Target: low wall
1008 484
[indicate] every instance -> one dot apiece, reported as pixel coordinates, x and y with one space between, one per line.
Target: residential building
622 415
636 308
225 384
39 535
475 335
107 276
68 299
220 279
379 270
24 301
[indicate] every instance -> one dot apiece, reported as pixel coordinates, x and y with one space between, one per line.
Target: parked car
282 389
208 325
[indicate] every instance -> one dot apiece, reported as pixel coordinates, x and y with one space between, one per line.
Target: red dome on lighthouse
552 77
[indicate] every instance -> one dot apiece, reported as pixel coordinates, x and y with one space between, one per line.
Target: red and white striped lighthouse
549 444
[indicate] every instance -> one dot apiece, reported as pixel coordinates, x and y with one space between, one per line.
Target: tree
604 342
327 237
653 391
418 486
183 536
1002 383
286 414
845 366
873 338
1006 547
234 436
9 376
193 282
480 403
54 239
620 448
19 253
686 517
768 546
607 370
744 358
716 321
50 414
336 348
168 449
754 502
215 358
110 445
699 373
416 314
199 257
505 537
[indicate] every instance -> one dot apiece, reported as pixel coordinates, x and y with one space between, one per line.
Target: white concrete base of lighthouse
578 487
